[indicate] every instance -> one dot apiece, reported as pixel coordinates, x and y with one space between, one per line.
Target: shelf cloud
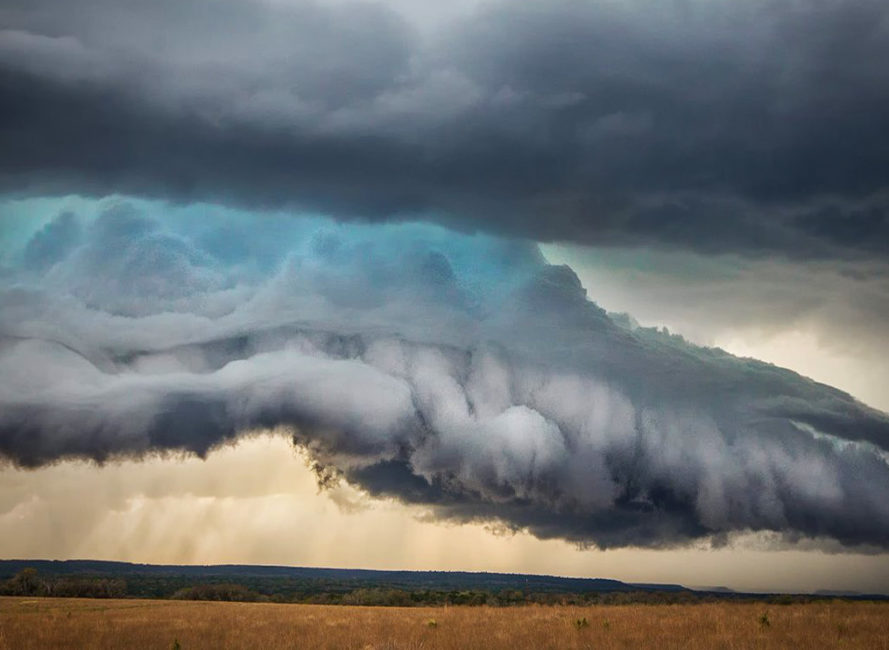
462 372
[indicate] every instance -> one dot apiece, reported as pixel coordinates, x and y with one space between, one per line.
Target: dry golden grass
75 623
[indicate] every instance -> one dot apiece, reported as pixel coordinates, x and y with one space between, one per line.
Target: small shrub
432 623
175 645
764 620
581 623
606 624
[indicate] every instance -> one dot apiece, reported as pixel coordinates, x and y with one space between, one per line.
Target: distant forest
93 579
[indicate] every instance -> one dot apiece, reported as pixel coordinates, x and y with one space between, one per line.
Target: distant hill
351 586
412 580
715 590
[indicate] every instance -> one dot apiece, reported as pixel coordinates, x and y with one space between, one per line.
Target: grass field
77 623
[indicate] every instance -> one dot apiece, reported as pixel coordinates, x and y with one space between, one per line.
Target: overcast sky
436 247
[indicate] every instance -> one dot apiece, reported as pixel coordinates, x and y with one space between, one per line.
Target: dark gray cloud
753 127
461 372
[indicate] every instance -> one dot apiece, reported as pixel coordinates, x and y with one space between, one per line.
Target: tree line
27 582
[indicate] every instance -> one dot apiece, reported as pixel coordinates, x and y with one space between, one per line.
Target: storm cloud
756 127
461 372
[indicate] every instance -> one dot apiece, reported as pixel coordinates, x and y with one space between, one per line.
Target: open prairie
75 623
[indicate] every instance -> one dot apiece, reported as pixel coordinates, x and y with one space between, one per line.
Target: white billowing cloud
459 372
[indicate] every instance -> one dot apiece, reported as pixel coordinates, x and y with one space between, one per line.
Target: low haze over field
402 276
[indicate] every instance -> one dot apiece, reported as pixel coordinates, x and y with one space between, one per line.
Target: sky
582 288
